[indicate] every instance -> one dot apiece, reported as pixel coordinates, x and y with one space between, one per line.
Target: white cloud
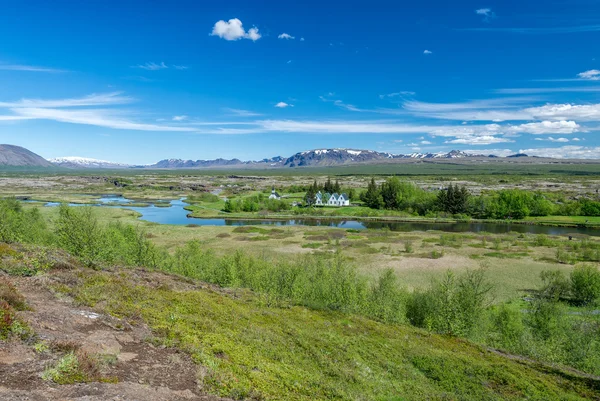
587 112
233 30
479 140
533 91
540 31
593 75
151 66
395 94
427 52
286 36
565 152
495 152
546 127
301 39
253 34
180 118
29 68
426 143
283 105
487 14
240 112
107 118
503 109
102 99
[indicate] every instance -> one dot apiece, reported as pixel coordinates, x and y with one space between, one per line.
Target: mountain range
16 156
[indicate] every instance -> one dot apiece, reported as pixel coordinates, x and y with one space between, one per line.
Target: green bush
19 225
585 284
453 305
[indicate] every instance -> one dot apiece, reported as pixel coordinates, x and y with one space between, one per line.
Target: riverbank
550 221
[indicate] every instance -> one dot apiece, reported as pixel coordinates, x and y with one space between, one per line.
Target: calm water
175 214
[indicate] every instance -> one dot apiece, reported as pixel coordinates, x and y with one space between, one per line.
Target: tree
336 187
309 198
351 194
453 200
390 191
372 197
328 187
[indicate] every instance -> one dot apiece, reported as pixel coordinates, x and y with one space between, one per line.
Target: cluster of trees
255 203
394 194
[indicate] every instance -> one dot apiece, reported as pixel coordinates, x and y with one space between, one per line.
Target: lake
177 215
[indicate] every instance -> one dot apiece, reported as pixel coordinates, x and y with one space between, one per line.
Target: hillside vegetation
312 328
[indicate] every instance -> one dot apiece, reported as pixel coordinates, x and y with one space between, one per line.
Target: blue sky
139 81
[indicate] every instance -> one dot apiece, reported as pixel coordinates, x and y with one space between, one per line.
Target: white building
326 199
274 195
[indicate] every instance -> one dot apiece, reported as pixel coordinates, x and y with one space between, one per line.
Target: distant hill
16 156
84 162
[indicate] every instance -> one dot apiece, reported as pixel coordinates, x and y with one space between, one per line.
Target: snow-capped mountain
308 158
84 162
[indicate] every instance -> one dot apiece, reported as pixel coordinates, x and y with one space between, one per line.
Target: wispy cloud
101 99
539 31
98 117
241 112
286 36
233 30
533 91
30 68
503 109
152 66
283 105
78 111
395 94
180 118
427 52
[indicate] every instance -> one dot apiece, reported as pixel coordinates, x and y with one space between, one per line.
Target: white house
274 195
327 199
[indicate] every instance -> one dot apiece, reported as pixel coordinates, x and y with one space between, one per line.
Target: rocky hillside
16 156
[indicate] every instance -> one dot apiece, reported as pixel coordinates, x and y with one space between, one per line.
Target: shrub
19 225
508 323
585 284
387 300
453 305
10 295
74 367
555 285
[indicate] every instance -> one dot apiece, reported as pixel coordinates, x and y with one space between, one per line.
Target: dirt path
142 370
